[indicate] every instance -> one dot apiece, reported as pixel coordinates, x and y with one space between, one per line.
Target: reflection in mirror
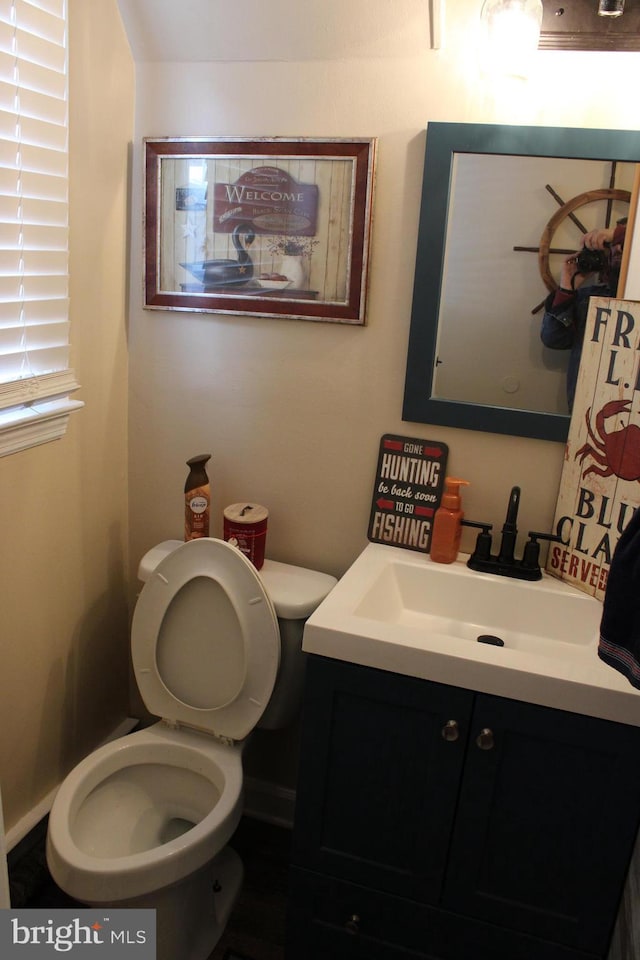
501 209
493 303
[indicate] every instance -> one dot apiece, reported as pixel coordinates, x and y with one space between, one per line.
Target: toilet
144 821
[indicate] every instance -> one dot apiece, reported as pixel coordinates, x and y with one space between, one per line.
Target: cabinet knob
352 925
450 731
485 740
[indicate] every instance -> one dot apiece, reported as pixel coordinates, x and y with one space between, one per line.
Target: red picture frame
272 227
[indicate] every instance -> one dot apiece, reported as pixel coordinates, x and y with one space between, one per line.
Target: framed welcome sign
270 227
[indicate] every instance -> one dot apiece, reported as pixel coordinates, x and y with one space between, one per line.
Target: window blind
35 378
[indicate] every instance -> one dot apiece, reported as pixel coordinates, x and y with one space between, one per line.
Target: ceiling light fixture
590 25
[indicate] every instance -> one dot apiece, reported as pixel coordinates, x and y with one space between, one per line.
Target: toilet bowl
145 820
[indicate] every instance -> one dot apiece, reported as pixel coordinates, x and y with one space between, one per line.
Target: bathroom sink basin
453 601
397 610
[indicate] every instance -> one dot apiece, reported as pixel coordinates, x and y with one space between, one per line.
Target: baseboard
270 802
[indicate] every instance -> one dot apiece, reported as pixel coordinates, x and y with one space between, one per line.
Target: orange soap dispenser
447 522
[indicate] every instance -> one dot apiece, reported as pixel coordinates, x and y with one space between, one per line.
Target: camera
591 261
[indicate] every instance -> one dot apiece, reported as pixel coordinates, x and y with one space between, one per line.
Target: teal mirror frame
444 140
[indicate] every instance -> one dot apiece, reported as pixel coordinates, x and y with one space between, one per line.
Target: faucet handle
483 542
552 537
531 553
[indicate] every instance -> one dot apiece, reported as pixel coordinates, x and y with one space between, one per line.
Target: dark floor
256 927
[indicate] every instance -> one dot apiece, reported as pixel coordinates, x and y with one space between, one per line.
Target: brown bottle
197 499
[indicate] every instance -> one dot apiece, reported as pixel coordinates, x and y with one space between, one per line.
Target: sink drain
489 638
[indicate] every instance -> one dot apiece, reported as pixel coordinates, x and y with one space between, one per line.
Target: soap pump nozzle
451 499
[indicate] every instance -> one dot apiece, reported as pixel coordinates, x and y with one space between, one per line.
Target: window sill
37 423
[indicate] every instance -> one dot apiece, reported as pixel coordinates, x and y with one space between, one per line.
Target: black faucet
504 563
509 528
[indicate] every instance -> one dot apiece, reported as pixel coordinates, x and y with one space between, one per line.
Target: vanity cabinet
436 823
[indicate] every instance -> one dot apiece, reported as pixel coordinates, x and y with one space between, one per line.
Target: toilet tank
295 593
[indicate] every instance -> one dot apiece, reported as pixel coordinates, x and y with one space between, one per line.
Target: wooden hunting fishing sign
600 483
407 491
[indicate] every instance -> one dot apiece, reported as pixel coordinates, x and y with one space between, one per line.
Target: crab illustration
617 452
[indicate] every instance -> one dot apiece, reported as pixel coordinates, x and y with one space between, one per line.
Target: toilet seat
205 640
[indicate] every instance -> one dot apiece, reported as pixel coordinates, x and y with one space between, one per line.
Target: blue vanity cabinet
376 796
435 823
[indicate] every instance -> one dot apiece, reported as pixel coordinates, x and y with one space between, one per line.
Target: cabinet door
548 811
378 781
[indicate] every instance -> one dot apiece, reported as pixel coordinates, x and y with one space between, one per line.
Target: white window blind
35 379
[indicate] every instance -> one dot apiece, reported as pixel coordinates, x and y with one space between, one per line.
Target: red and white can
245 526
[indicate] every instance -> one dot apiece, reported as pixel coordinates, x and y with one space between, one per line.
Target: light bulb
511 35
611 8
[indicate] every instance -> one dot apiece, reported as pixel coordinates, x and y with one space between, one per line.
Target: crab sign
617 452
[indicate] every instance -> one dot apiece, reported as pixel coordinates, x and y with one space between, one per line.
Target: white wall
292 411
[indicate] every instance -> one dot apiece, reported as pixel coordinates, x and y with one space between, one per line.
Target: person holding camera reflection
591 272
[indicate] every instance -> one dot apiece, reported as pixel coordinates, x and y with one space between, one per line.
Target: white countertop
564 675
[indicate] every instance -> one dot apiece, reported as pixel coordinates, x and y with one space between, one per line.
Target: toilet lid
205 640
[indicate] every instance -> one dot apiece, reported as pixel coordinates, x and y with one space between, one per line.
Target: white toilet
144 820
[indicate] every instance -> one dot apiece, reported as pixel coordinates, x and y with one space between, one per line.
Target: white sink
453 601
396 610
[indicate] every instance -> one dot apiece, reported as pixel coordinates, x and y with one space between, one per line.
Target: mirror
501 208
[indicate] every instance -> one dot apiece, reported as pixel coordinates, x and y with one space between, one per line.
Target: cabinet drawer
332 920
